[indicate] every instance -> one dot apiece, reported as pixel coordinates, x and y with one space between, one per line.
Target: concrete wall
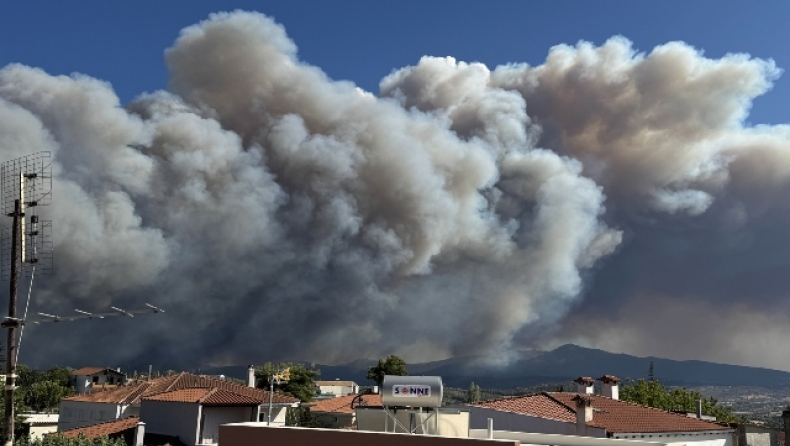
516 422
75 414
338 390
37 431
214 416
757 436
170 418
451 423
256 434
562 440
278 414
713 438
331 420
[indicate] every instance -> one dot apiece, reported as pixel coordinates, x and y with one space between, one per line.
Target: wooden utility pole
11 324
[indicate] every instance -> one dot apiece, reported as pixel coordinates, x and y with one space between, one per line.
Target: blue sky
362 41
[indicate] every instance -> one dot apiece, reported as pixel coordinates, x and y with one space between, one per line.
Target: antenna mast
26 184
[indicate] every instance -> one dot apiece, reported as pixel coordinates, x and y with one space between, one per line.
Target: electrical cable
24 317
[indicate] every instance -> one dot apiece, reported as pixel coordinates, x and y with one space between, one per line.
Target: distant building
337 387
40 424
338 412
86 378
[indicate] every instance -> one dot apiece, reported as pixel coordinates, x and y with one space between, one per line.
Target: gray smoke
277 213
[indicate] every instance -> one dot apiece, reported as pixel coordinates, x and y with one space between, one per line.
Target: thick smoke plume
277 213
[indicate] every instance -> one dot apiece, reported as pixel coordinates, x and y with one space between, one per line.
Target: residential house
88 378
339 412
337 387
185 405
586 414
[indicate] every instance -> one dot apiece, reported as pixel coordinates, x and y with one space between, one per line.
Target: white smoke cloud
460 211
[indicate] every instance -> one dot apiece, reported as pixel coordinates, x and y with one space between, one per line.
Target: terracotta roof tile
134 393
343 404
538 405
123 428
98 430
609 379
93 370
208 396
613 415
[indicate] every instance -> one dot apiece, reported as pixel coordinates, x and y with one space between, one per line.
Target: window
95 380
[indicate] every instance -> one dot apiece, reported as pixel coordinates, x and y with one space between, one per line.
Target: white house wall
712 438
171 418
516 422
214 416
75 414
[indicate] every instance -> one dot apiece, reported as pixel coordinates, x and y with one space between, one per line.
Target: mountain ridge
564 363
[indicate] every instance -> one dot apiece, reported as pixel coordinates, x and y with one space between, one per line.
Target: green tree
45 396
473 394
391 365
301 382
653 394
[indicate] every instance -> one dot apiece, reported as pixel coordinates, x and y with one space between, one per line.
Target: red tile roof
207 396
93 370
123 428
613 415
621 416
343 404
134 393
101 429
538 405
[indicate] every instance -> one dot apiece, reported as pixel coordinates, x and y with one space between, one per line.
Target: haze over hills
561 364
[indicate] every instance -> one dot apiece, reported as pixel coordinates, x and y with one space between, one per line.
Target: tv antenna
26 184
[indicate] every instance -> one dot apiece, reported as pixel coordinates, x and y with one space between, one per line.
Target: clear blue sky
363 40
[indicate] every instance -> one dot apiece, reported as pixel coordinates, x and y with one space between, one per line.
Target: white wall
451 423
561 440
278 414
75 414
338 390
83 383
214 416
516 422
170 418
712 438
37 431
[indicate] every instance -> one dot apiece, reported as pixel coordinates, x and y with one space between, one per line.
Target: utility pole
10 377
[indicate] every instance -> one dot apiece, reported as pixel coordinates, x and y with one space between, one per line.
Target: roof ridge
208 394
570 409
177 378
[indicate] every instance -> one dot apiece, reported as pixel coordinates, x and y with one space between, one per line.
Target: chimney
139 434
584 384
584 413
610 388
251 376
699 409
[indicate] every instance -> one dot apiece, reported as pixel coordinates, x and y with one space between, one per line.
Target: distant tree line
652 393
